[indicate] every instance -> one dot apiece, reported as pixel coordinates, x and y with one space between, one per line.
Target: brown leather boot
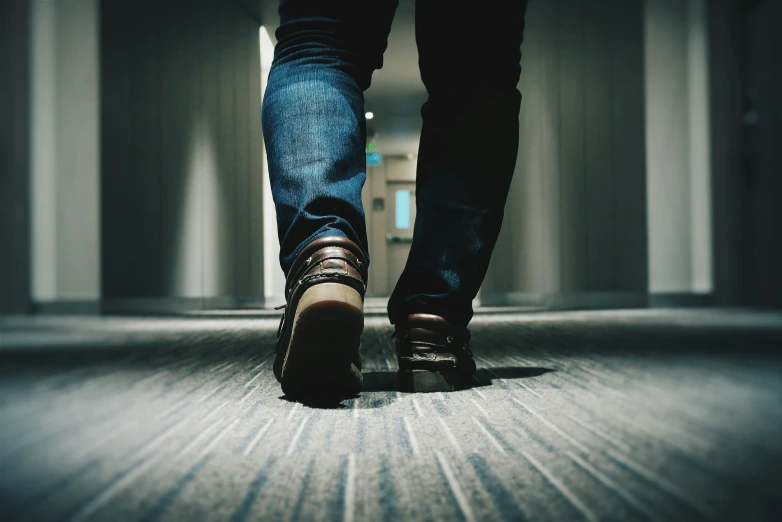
433 354
320 331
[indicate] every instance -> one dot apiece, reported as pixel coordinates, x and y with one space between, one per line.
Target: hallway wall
181 154
762 179
139 125
65 154
727 108
575 230
677 146
14 156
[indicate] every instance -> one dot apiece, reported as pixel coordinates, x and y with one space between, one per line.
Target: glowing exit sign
374 159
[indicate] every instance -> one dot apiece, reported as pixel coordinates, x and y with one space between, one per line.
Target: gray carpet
637 415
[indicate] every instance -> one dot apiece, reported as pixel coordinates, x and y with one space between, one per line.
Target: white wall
182 195
274 278
65 157
611 195
677 134
146 152
575 226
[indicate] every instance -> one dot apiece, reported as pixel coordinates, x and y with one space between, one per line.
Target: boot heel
423 381
322 354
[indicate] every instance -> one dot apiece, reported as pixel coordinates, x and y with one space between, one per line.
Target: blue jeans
315 133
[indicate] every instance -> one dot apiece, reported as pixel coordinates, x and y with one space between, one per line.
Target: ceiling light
370 115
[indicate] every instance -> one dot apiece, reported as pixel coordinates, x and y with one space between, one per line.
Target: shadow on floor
389 382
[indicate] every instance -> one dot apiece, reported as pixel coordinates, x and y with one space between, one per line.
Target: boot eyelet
449 339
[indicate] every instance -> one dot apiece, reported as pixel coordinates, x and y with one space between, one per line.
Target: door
389 202
399 222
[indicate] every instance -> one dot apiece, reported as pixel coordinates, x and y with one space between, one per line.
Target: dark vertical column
763 133
144 242
571 145
629 147
241 53
226 143
599 195
14 156
725 79
118 270
775 147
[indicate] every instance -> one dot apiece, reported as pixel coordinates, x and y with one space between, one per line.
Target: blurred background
132 174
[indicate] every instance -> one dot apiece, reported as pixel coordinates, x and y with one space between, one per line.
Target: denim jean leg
467 154
313 119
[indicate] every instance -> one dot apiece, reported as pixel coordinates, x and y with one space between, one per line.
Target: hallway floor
631 415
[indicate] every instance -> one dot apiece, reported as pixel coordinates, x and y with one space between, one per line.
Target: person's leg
469 141
315 133
313 117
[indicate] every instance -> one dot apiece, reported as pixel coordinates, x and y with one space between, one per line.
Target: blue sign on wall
374 159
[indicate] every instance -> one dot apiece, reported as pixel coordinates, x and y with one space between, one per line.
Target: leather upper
331 259
336 259
430 342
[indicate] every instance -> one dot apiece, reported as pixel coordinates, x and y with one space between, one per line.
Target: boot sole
321 356
426 381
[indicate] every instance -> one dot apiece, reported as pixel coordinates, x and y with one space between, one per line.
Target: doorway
390 205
